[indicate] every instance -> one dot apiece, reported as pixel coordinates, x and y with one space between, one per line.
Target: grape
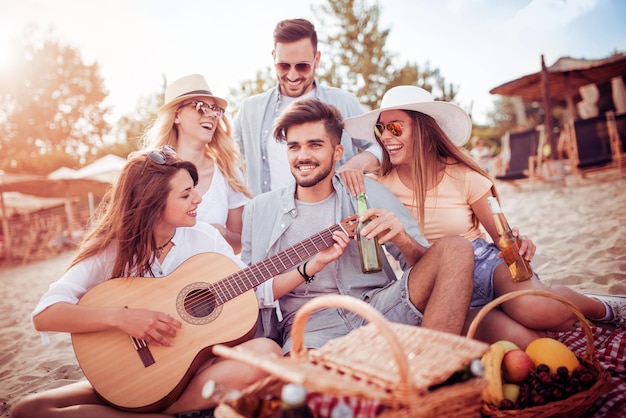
545 378
507 404
563 372
543 368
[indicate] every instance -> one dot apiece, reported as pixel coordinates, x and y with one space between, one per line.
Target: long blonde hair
431 146
223 149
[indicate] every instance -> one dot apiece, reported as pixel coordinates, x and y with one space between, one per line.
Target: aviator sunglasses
157 156
204 109
394 129
301 67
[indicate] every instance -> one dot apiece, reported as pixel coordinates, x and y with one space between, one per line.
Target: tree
357 59
50 105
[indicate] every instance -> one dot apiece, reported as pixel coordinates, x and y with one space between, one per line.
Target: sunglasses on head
301 67
205 109
157 156
394 129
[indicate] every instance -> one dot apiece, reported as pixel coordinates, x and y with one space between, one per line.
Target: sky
476 44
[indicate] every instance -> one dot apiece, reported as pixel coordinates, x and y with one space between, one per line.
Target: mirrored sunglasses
394 129
301 67
205 109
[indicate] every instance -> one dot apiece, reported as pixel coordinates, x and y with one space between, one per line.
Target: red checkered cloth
610 346
323 405
610 351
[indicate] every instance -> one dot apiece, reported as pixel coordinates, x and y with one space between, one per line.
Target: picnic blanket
610 346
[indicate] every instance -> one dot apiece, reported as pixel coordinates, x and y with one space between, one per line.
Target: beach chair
522 150
595 145
617 133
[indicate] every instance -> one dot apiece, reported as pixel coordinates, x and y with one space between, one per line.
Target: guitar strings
222 291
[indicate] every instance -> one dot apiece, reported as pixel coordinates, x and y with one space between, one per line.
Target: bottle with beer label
369 250
508 244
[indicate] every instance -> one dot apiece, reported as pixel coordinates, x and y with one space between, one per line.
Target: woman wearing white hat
192 121
446 191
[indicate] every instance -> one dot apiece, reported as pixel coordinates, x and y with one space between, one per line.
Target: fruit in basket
511 392
516 366
508 345
492 360
552 353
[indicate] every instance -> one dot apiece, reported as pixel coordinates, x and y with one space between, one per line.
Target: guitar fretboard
252 276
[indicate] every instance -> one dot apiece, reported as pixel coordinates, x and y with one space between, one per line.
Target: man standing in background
295 57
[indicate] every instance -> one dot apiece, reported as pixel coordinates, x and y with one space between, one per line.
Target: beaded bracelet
307 279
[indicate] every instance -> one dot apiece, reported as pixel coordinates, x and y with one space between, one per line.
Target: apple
516 366
508 345
511 391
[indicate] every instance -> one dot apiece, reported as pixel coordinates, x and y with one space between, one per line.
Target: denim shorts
485 262
394 303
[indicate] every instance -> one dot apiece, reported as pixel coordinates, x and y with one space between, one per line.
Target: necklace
159 250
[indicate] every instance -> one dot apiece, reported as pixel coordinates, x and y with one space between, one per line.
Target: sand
579 226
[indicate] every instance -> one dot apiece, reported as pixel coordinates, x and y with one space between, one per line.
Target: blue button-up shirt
255 119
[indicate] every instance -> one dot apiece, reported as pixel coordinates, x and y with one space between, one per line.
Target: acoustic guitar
209 294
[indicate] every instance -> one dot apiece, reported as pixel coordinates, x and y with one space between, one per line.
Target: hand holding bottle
527 247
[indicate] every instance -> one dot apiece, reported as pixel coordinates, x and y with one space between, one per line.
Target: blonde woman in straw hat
446 191
192 121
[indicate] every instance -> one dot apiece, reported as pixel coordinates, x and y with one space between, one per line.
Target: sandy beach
579 227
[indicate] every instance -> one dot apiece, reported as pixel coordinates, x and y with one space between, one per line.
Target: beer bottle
508 244
293 402
369 250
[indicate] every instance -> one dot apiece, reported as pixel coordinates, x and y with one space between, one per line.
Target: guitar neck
252 276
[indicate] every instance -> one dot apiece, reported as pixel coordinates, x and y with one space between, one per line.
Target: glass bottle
508 244
369 250
293 402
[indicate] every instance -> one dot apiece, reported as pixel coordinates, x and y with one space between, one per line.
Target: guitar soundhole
196 304
199 303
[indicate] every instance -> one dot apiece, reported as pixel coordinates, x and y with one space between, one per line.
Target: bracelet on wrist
307 279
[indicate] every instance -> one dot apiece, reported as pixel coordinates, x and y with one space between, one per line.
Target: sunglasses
394 129
301 67
205 109
157 156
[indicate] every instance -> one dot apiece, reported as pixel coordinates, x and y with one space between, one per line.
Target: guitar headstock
349 225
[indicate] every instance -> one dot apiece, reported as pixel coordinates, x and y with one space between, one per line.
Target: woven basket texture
392 364
573 406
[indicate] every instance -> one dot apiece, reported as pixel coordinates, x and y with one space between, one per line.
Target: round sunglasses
394 129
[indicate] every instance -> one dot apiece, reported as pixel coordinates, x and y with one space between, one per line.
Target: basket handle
366 311
590 349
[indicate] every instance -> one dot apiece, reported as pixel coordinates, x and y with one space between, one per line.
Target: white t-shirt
219 199
77 280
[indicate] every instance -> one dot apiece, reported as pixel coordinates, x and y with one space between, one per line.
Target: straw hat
193 85
453 120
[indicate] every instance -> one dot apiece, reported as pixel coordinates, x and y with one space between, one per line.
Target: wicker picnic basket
573 406
386 364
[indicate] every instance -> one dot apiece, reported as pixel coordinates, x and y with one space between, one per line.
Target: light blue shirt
269 215
255 120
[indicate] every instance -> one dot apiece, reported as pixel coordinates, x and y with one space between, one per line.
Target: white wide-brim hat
193 85
453 120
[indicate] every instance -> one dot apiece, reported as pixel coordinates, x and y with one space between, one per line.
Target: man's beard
311 181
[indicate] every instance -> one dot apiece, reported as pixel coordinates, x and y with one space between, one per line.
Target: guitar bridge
144 352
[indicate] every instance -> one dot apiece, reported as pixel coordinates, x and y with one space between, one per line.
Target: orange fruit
552 353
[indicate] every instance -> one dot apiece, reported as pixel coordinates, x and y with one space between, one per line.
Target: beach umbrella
565 77
559 83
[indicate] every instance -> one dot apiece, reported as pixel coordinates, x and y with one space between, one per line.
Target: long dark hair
130 209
